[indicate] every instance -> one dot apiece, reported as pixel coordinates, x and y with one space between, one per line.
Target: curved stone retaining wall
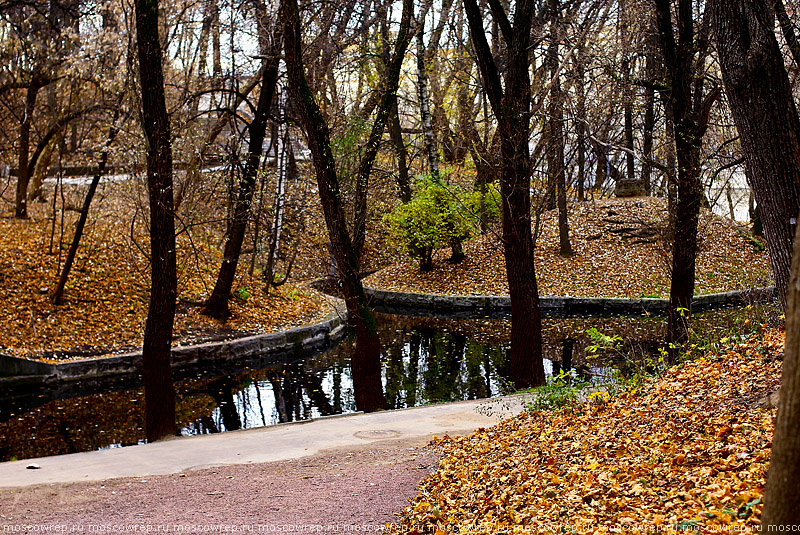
480 305
302 339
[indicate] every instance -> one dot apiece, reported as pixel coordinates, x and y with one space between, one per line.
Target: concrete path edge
352 432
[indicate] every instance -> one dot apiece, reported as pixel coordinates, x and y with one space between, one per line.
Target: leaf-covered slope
621 250
688 449
105 303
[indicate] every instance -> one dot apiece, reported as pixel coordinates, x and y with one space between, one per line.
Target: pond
425 360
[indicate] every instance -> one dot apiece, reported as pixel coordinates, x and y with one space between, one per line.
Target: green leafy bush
435 217
243 294
486 202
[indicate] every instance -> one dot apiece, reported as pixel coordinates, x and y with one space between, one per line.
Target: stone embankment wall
266 347
567 305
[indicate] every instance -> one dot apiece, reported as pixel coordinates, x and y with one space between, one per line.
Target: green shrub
559 391
242 294
435 217
486 202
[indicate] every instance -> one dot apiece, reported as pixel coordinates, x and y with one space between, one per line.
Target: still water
425 360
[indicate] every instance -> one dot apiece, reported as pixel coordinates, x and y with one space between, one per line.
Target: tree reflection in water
421 364
425 360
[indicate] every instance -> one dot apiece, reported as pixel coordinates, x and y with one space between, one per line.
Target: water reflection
425 360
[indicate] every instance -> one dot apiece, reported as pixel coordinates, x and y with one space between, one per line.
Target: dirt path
338 491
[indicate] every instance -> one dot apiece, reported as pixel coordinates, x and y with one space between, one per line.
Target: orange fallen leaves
105 302
688 452
605 263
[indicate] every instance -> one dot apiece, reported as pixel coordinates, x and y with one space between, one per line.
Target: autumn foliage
687 451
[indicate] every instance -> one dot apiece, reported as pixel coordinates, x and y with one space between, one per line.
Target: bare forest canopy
68 75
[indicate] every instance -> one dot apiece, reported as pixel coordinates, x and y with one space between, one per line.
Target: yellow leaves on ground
606 262
688 452
105 303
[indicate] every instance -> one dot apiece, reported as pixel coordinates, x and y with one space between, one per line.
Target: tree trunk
40 170
629 162
764 111
216 305
158 387
365 363
765 114
216 43
627 87
683 57
601 166
425 110
391 81
202 53
787 28
58 292
435 91
23 177
669 178
396 134
649 124
647 139
511 106
555 138
580 126
684 249
781 500
395 128
282 164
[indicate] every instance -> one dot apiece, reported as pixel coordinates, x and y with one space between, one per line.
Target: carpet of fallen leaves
687 451
619 252
105 303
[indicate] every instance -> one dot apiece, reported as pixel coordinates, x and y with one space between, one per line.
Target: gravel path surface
337 491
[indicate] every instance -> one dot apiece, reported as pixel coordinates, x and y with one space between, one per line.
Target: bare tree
345 249
761 100
216 305
159 390
684 59
555 130
511 105
765 114
58 291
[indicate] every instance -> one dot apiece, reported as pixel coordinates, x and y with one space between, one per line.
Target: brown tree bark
396 135
429 140
761 101
436 90
787 28
683 58
555 137
159 390
388 96
395 128
765 114
365 362
23 149
511 106
580 125
216 305
627 89
58 291
647 138
781 512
